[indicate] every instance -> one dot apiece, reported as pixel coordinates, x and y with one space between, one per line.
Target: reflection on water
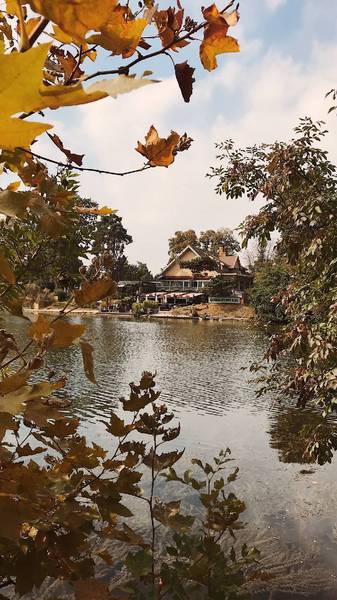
291 515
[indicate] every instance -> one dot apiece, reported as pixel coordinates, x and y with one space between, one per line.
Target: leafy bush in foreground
62 499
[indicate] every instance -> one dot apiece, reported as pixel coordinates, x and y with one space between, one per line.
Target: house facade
175 277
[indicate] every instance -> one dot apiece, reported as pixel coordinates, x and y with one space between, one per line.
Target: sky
286 65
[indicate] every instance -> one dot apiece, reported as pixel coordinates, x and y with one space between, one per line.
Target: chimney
222 252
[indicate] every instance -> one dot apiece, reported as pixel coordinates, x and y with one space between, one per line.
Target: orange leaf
120 35
66 333
159 151
75 17
39 329
93 291
216 41
14 382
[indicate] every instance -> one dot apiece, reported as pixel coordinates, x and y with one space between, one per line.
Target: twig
85 169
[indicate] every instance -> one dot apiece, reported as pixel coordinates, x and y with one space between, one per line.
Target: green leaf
139 564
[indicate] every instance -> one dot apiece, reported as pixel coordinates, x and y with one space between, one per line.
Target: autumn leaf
39 329
55 96
159 151
6 270
117 427
119 85
11 383
92 291
185 79
20 80
91 589
104 210
88 362
14 204
75 17
66 333
12 8
169 23
216 41
71 156
15 133
120 34
140 563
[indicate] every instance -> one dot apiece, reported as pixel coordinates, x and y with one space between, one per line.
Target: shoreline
96 313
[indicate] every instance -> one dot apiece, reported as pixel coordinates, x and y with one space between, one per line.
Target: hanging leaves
216 41
93 291
185 79
160 152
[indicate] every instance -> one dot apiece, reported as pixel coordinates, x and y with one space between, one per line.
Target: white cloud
247 100
274 4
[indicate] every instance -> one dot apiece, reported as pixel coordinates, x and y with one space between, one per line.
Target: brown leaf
39 329
71 156
88 362
14 382
66 333
185 79
91 589
6 270
160 152
92 291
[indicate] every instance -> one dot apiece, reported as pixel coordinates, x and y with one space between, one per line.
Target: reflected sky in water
291 516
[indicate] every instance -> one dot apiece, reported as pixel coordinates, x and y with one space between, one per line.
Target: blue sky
287 62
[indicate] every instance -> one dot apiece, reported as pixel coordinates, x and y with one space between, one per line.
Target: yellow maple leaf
20 80
72 95
75 17
159 151
120 35
15 133
216 41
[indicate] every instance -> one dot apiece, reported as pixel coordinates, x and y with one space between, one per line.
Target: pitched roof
229 261
198 255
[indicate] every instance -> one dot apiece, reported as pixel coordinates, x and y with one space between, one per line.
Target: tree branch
85 169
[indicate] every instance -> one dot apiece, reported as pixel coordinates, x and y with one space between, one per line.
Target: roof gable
178 257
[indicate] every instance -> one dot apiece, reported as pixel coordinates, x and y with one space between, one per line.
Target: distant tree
271 277
137 272
109 241
212 240
180 240
51 261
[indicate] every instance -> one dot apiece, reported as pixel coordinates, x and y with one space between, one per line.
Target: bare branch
85 169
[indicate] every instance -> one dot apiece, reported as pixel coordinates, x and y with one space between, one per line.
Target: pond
201 369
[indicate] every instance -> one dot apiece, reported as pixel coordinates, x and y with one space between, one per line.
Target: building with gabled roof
177 277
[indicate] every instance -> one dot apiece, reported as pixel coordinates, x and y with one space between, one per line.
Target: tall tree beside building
212 240
180 240
109 242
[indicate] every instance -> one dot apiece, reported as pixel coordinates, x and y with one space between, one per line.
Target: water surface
290 516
